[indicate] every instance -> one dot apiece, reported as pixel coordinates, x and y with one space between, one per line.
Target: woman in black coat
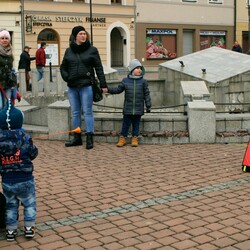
80 63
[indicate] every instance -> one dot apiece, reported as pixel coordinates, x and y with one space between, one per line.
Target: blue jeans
23 192
81 101
39 73
126 123
3 99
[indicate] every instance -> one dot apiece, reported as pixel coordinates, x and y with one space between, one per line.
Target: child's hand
105 90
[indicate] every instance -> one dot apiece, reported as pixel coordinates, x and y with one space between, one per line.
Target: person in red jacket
40 60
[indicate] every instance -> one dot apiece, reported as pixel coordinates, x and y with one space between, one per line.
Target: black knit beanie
76 30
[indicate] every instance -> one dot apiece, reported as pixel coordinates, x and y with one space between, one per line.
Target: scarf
80 48
6 51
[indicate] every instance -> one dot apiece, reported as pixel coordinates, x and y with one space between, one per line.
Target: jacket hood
134 64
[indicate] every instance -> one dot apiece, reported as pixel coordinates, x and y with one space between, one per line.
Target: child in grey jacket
136 94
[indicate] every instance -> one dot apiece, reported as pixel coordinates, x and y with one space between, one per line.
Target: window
160 44
215 1
47 35
212 38
116 1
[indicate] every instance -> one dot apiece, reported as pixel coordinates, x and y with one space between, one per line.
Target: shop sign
47 21
161 32
69 19
28 23
212 33
44 21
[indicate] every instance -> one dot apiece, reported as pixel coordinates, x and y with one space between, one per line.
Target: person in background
136 93
16 153
24 63
80 63
236 47
6 65
40 60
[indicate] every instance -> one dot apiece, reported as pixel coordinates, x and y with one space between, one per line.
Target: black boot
89 141
76 141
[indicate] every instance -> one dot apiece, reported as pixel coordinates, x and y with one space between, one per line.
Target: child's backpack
2 210
246 159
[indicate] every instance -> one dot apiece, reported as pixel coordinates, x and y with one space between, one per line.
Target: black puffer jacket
79 63
136 93
6 64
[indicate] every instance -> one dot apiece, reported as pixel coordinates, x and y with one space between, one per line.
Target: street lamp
91 29
22 22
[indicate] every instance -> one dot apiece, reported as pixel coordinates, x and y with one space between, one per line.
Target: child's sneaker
11 234
29 232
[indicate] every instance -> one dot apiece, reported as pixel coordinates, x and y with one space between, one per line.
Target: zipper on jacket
134 97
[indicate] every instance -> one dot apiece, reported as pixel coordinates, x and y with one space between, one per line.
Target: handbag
97 92
12 79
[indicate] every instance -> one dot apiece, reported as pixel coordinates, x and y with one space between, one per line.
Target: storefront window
160 44
52 46
212 38
116 1
47 35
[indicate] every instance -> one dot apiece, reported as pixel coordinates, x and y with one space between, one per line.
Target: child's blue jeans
23 192
126 123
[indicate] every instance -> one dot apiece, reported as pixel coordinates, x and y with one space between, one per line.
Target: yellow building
10 19
111 25
241 29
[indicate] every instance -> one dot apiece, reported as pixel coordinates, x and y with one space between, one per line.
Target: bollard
50 72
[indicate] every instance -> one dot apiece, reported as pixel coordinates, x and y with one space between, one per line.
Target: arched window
47 35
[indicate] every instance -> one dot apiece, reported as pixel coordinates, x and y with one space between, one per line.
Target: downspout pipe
22 22
235 19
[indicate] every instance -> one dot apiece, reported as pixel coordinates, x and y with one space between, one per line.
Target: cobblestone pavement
151 197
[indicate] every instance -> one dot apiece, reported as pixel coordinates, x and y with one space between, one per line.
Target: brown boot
121 142
134 141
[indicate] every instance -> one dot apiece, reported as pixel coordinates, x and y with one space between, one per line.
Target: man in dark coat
237 47
24 63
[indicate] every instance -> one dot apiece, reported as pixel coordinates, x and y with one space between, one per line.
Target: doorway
116 48
187 42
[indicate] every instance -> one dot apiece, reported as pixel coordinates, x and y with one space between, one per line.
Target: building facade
152 31
110 24
10 19
242 25
169 29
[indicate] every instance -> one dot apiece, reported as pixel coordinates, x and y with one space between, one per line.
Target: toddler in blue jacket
16 153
